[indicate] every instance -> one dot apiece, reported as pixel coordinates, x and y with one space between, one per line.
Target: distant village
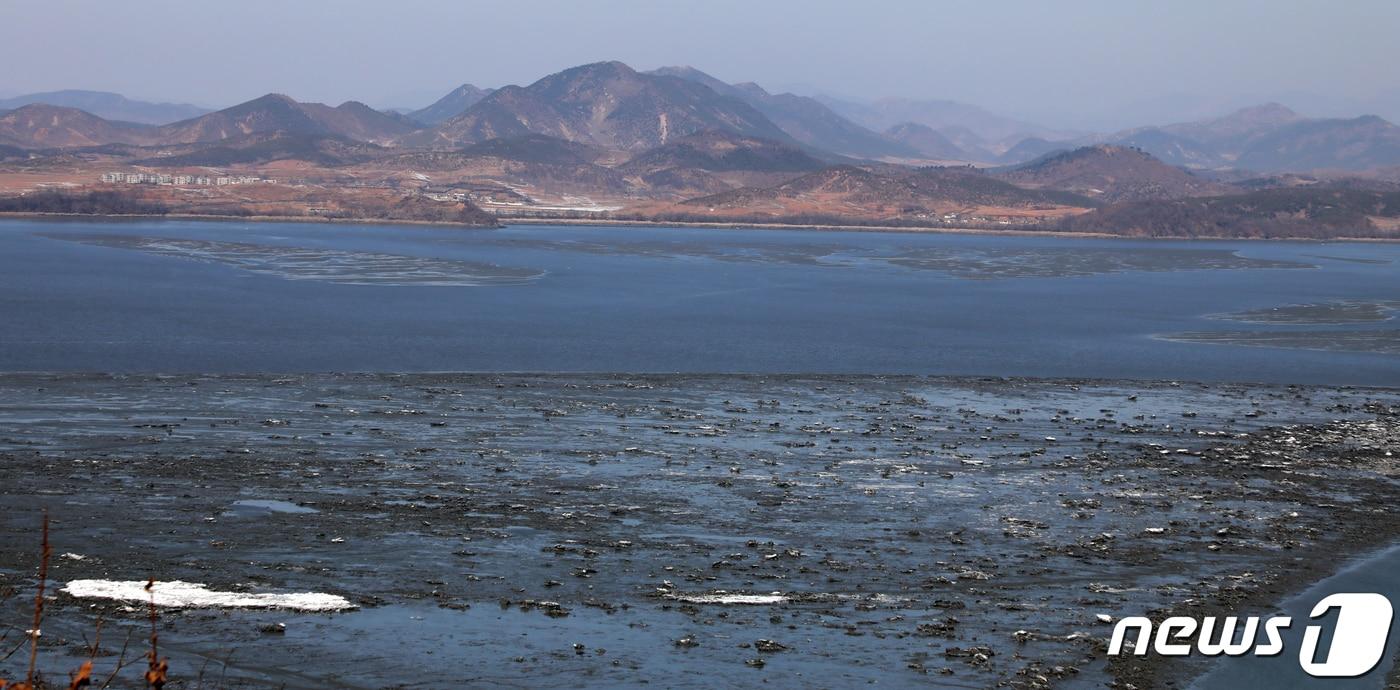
161 179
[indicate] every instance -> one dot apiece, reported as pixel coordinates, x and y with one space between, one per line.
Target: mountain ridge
454 103
606 104
278 112
109 106
805 119
1110 174
39 125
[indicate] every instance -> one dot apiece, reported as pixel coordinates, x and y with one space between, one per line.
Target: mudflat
704 531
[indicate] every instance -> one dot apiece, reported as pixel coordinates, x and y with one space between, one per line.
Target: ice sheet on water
327 265
177 594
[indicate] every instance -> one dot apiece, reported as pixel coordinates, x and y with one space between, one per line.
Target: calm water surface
166 296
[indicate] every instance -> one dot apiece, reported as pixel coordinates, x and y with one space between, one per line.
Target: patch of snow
268 506
177 594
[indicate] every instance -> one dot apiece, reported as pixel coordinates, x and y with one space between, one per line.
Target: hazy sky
1066 63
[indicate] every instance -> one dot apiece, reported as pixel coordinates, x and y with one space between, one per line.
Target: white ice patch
739 598
177 594
726 598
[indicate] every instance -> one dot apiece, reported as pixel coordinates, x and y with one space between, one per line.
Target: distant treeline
1309 213
89 203
1315 213
1312 213
118 203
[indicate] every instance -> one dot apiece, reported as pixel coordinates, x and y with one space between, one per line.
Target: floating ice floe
749 599
727 598
252 507
177 594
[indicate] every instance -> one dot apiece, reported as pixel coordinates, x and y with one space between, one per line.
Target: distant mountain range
1271 138
1345 144
47 126
610 106
109 106
926 140
606 104
986 127
681 144
677 144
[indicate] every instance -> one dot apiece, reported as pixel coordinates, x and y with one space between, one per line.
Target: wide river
167 296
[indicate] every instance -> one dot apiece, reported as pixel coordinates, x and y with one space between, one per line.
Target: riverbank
526 220
1372 573
789 530
522 220
933 229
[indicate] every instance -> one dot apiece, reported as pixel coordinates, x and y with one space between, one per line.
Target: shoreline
507 221
248 219
930 230
1352 565
722 225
